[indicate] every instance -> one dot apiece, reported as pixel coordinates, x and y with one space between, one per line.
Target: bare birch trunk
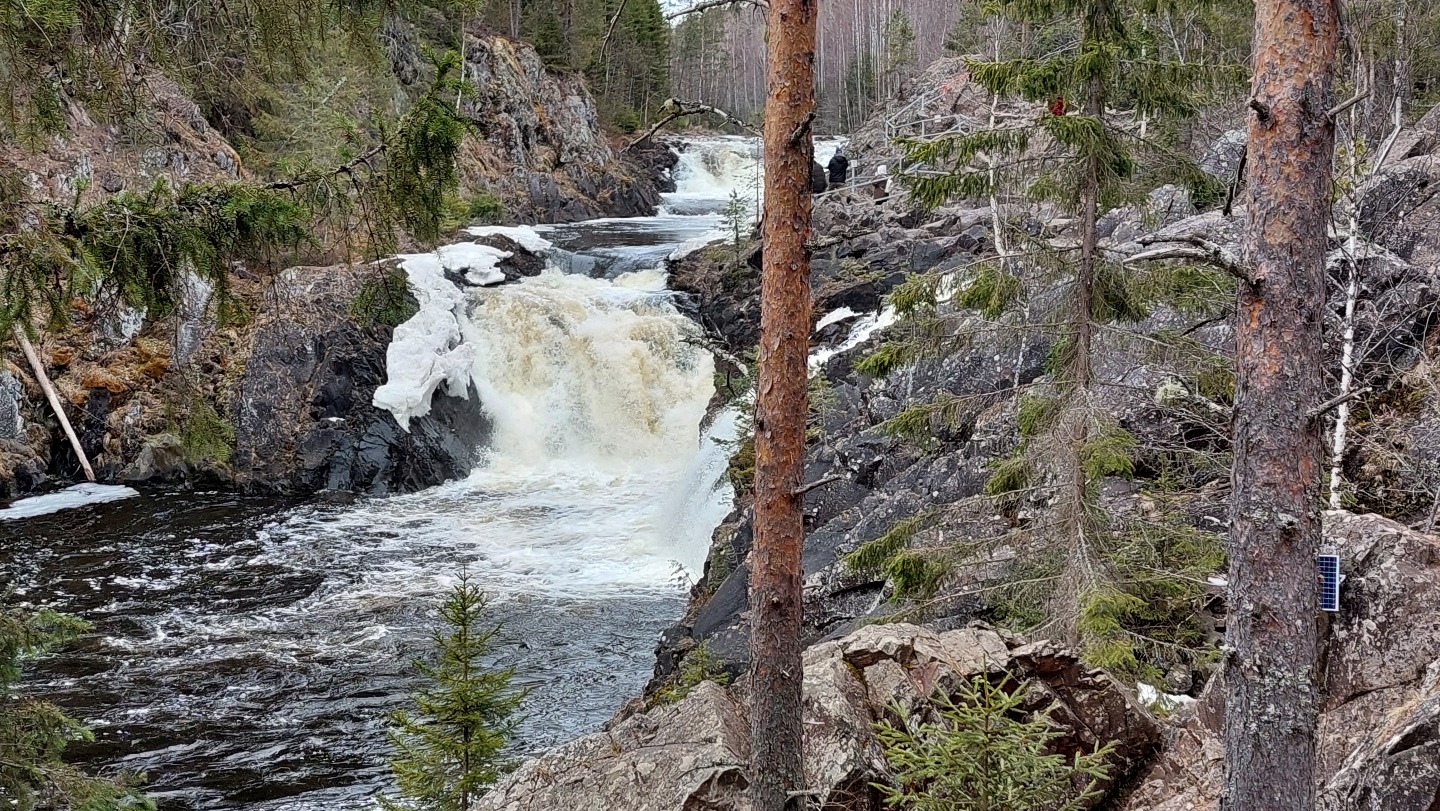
39 369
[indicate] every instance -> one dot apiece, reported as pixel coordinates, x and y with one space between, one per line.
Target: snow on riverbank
428 349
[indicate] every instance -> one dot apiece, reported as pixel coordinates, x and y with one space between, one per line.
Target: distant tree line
622 46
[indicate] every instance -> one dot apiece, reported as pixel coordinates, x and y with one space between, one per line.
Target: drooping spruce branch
140 245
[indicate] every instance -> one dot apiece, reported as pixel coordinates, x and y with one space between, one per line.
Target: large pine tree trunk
780 410
1271 681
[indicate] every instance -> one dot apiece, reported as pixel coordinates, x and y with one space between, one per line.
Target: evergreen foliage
34 733
630 78
1111 96
450 747
140 245
700 665
985 752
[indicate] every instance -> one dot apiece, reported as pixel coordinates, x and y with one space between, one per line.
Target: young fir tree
449 748
984 752
1102 108
34 733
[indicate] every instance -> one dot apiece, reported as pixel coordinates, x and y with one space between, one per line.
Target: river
247 650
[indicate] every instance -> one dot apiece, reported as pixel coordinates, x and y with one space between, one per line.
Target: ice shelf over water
81 495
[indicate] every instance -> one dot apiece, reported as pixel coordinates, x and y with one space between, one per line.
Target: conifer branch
1194 249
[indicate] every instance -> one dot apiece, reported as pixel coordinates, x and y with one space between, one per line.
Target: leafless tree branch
675 108
706 5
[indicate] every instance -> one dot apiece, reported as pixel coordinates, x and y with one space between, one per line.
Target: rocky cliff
543 152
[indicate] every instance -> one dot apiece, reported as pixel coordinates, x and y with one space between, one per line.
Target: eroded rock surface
303 415
1379 735
692 755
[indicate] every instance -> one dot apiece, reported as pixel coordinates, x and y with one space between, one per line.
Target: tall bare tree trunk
1271 680
780 409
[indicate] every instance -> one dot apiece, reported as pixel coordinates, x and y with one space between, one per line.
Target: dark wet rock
303 415
162 459
521 263
658 158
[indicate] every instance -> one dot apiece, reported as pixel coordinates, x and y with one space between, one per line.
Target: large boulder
1400 209
692 755
1379 730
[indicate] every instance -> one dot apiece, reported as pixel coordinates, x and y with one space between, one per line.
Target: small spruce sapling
736 218
984 752
449 748
35 733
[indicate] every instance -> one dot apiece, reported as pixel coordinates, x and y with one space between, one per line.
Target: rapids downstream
247 650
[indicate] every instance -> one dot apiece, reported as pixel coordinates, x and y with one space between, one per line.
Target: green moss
485 207
700 665
384 299
207 436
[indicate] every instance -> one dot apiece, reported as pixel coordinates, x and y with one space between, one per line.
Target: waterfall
578 369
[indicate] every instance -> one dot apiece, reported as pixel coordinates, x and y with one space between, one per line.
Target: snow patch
690 246
428 350
81 495
834 317
523 235
1152 697
860 332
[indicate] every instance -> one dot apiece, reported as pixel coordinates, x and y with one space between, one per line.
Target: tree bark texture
1271 680
780 411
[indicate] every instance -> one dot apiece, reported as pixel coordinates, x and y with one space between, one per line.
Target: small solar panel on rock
1328 567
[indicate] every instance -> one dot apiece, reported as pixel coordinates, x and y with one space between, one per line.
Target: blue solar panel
1329 570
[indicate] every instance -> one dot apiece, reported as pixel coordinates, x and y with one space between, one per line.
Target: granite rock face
541 149
692 755
1379 730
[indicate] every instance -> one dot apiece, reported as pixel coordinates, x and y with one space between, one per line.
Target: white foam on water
80 495
834 317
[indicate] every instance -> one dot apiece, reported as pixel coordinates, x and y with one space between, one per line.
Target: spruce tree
35 733
984 752
1102 109
450 746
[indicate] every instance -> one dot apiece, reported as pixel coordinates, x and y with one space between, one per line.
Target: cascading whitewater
578 369
237 638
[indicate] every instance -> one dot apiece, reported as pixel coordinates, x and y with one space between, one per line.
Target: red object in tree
1057 105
